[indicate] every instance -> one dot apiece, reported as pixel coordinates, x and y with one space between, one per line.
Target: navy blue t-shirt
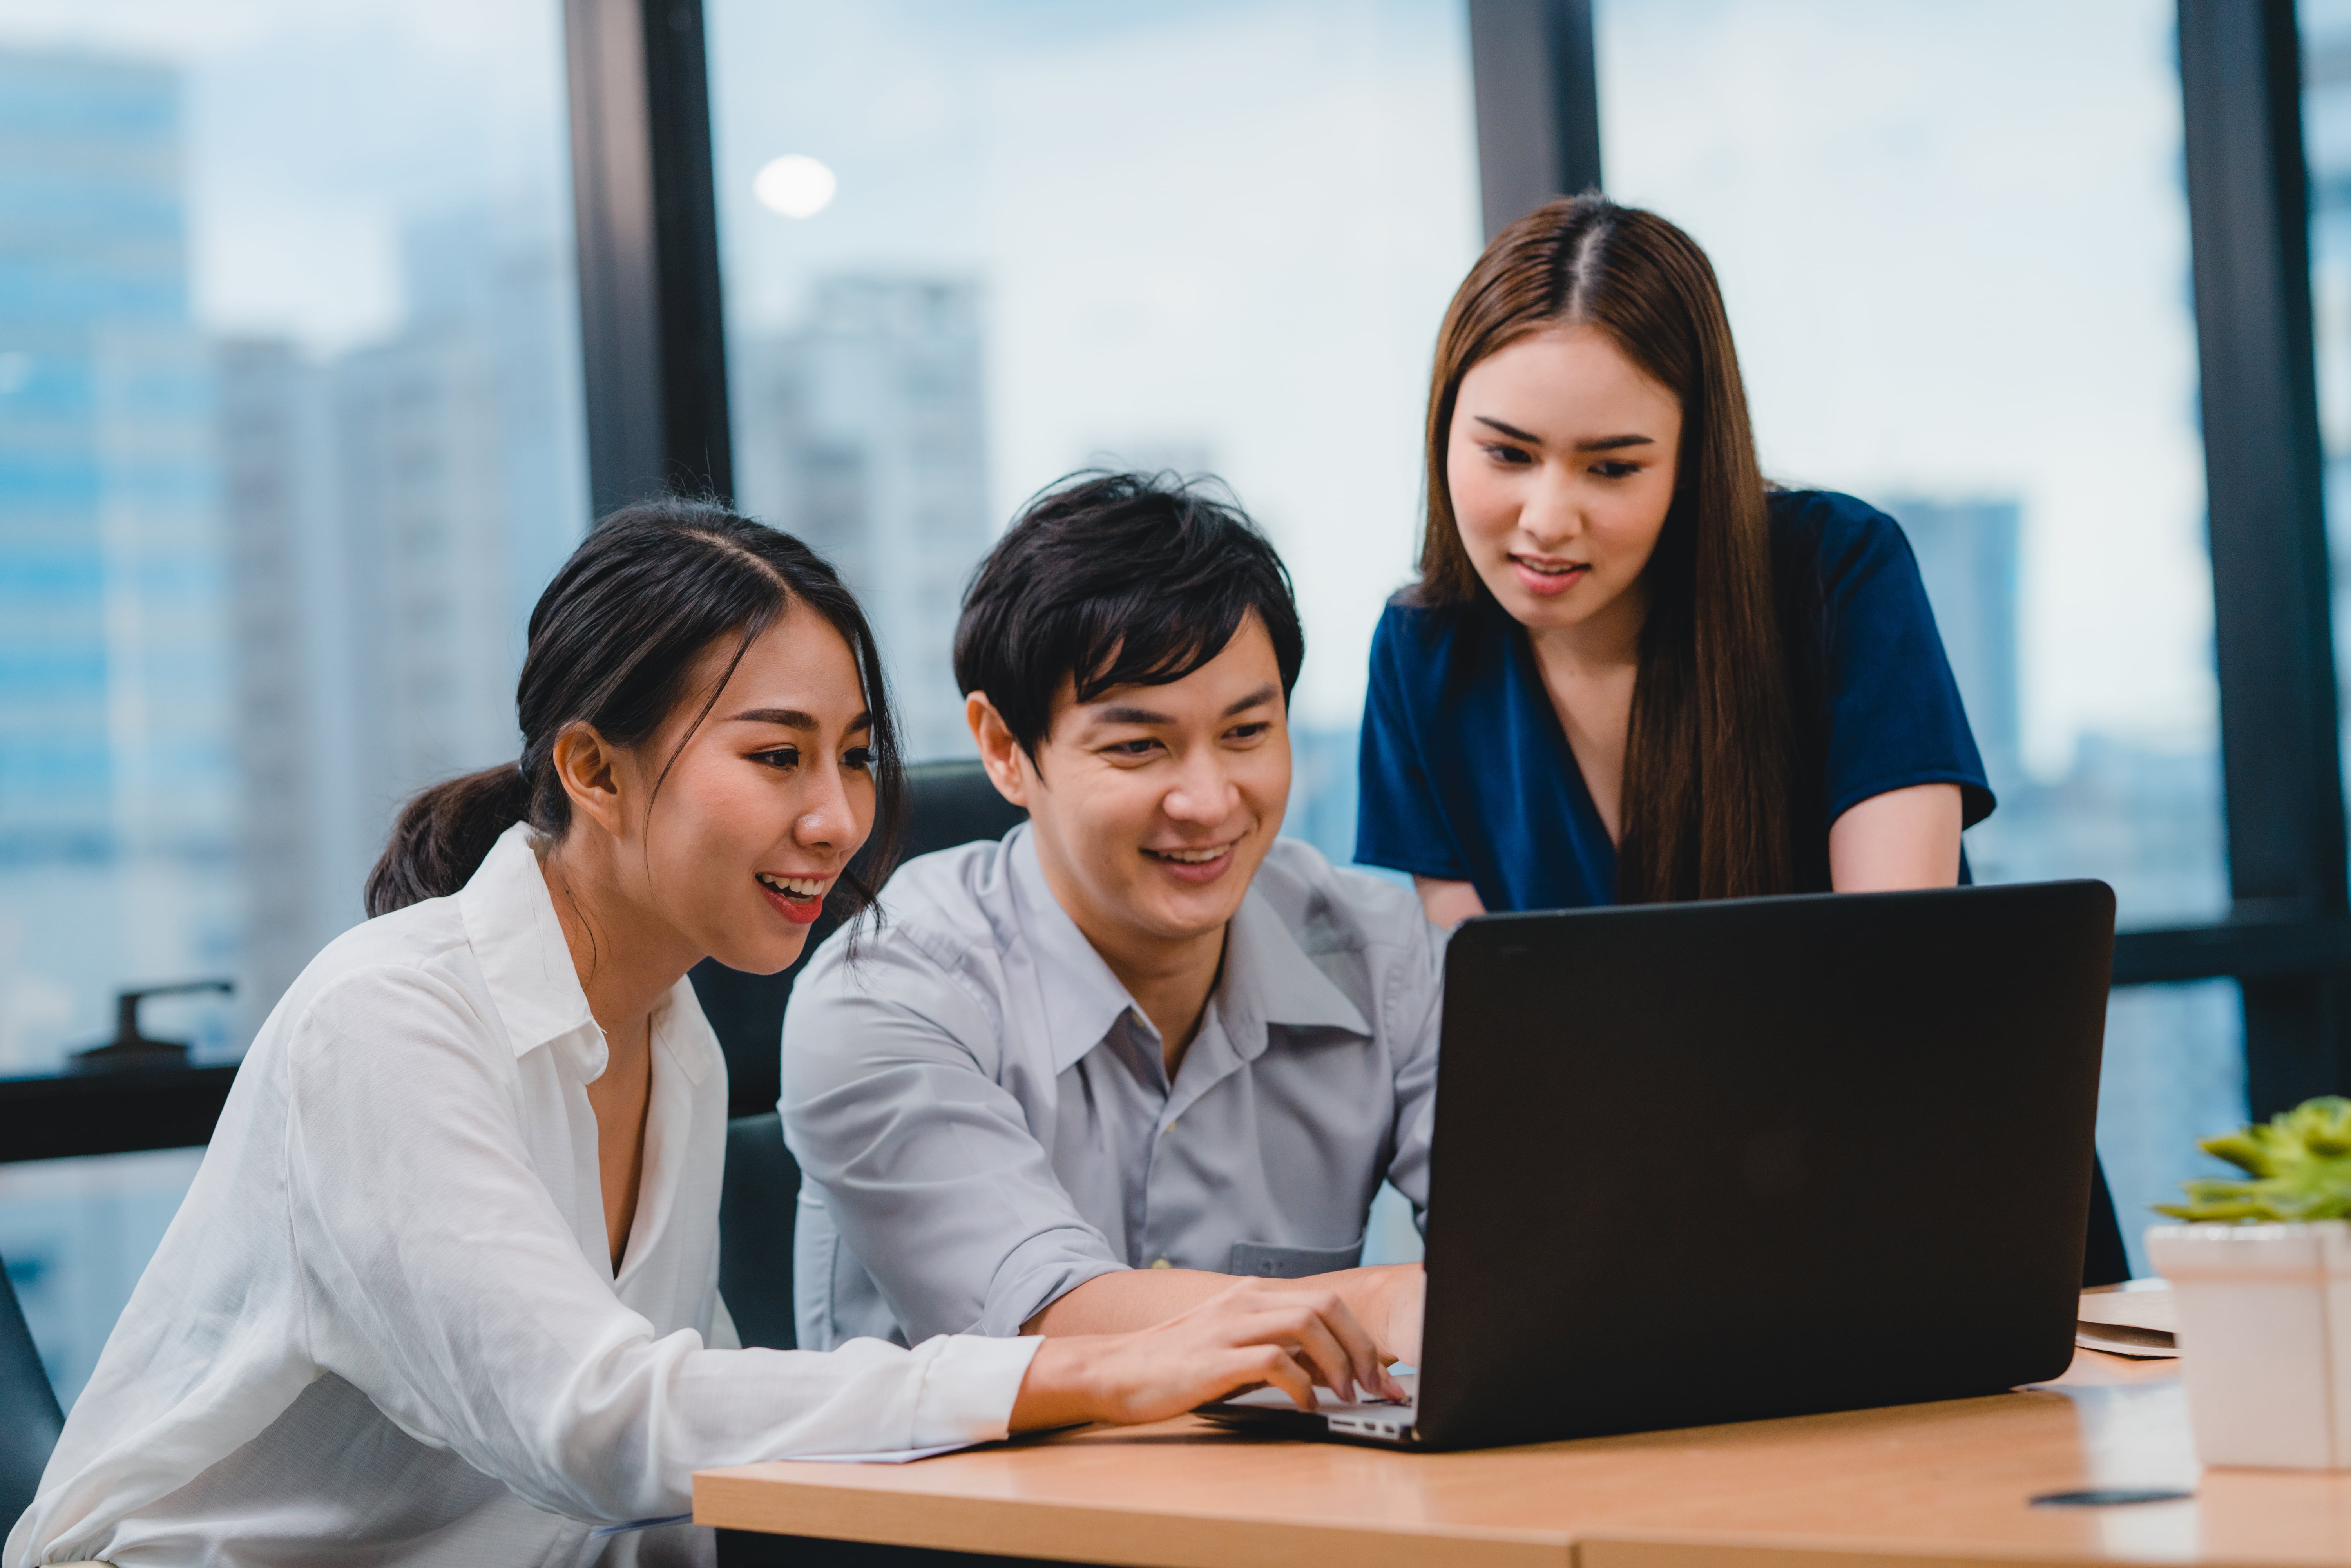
1467 775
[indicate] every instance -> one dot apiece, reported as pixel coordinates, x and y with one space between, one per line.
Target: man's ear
1000 753
584 762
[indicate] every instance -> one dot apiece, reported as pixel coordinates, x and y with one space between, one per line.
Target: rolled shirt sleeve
925 1163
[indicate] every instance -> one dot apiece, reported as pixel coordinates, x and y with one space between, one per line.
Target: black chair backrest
948 803
756 1210
29 1418
2103 1261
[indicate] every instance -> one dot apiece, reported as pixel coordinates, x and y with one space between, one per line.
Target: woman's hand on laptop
1289 1334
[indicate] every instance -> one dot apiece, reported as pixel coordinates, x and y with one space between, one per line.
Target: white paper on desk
898 1458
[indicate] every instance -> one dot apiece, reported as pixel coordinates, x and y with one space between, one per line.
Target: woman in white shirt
444 1288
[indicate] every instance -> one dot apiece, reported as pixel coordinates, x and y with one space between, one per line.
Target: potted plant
2263 1277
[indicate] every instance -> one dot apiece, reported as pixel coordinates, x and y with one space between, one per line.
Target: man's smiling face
1153 805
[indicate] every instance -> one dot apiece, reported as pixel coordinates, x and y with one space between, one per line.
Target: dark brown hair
1116 579
1707 757
614 642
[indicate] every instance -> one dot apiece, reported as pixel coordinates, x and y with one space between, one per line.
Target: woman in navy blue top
1631 671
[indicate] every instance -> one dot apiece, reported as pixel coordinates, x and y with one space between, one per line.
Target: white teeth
1192 857
799 886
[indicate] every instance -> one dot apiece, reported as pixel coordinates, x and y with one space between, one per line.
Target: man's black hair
1117 580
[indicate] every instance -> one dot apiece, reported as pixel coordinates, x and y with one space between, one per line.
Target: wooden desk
1947 1484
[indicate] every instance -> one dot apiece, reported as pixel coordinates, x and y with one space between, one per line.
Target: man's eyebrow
793 718
1264 693
1129 716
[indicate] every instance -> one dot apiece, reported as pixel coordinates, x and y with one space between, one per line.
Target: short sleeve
1400 823
1894 715
924 1162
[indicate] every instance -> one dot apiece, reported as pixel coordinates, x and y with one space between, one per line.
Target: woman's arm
1449 903
1902 839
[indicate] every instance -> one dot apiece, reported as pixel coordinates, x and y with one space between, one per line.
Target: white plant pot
2265 1339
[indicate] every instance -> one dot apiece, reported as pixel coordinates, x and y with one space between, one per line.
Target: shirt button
1161 1263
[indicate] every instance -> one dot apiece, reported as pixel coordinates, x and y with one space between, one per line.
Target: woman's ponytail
442 836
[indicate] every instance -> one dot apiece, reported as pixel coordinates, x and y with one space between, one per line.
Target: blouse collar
511 925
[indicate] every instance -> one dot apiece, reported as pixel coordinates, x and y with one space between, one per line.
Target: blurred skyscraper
871 446
1967 552
393 515
117 858
116 774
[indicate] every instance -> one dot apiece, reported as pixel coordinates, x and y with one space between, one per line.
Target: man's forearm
1126 1300
1136 1299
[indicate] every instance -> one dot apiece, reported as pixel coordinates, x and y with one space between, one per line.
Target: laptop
1699 1163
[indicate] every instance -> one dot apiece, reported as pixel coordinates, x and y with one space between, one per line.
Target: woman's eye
781 757
1615 470
1515 457
860 757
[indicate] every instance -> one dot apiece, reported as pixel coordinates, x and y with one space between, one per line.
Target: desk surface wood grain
1946 1483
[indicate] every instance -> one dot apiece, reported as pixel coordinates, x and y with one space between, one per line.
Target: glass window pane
972 247
289 441
1959 272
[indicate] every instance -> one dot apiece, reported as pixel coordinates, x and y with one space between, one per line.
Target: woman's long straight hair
614 642
1709 756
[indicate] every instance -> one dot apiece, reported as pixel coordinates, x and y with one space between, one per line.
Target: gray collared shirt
982 1122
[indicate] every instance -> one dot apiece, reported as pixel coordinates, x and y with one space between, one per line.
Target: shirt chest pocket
1263 1260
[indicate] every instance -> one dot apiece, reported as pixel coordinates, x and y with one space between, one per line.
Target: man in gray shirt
1078 1078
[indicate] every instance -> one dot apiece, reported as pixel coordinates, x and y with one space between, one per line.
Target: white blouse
386 1318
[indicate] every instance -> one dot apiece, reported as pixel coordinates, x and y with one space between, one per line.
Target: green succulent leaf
2298 1165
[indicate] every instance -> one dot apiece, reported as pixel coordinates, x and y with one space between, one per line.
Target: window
289 441
1958 263
971 247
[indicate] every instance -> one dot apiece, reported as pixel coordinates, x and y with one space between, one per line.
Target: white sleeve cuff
970 1388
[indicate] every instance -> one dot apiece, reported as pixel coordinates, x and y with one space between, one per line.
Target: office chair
2103 1261
948 803
29 1418
757 1207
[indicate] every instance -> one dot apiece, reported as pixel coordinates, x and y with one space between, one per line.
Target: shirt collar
511 924
1082 999
1269 979
518 942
